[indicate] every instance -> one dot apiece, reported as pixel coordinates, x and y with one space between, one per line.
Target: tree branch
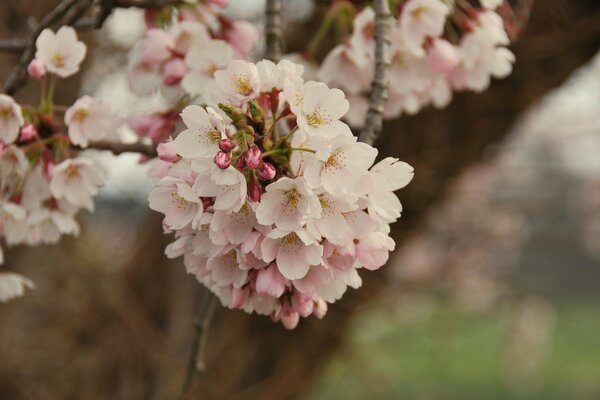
273 30
13 45
119 148
202 322
379 86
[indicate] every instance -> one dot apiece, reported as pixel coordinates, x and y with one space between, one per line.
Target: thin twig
119 148
202 322
13 45
273 31
379 86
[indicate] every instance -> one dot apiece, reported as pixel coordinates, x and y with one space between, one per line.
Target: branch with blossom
276 207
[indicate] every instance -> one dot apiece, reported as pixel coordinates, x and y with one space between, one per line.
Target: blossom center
58 59
316 119
291 198
241 83
5 112
81 114
179 201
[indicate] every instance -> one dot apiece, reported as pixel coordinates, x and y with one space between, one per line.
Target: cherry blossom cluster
437 47
274 204
44 178
179 59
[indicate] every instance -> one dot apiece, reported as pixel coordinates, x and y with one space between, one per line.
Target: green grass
448 356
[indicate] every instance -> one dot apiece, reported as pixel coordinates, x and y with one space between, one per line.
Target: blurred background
493 291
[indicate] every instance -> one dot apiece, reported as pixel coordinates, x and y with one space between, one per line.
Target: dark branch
13 45
119 148
379 86
273 30
202 322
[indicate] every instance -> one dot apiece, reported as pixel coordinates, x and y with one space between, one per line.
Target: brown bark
118 322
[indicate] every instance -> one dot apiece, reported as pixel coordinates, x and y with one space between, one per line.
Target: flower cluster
179 60
437 47
274 204
44 180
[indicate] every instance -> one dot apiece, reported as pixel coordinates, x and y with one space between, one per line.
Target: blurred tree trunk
123 329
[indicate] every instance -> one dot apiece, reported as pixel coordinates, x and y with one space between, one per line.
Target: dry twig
273 31
379 86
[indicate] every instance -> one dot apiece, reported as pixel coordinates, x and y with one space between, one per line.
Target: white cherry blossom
205 128
77 181
90 119
11 119
61 52
13 286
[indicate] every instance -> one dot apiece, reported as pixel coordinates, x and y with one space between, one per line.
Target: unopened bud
252 156
166 152
254 189
173 71
256 112
223 160
267 171
36 69
241 164
320 308
226 145
238 118
28 132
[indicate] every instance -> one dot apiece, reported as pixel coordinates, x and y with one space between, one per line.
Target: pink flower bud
442 56
28 132
239 297
226 145
267 171
302 304
166 152
241 163
223 160
36 69
252 157
289 318
320 308
270 281
254 191
173 71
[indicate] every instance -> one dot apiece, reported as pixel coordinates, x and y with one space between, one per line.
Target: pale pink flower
239 80
90 119
205 129
232 228
13 223
242 36
442 56
270 281
202 62
363 32
387 176
331 224
77 180
373 249
60 52
340 167
166 152
320 109
346 68
288 203
175 198
13 286
225 269
293 252
157 47
227 186
11 119
421 19
173 71
188 35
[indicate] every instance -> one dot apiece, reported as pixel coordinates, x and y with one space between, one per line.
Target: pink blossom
61 52
173 71
28 132
270 281
442 56
11 119
166 152
242 36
